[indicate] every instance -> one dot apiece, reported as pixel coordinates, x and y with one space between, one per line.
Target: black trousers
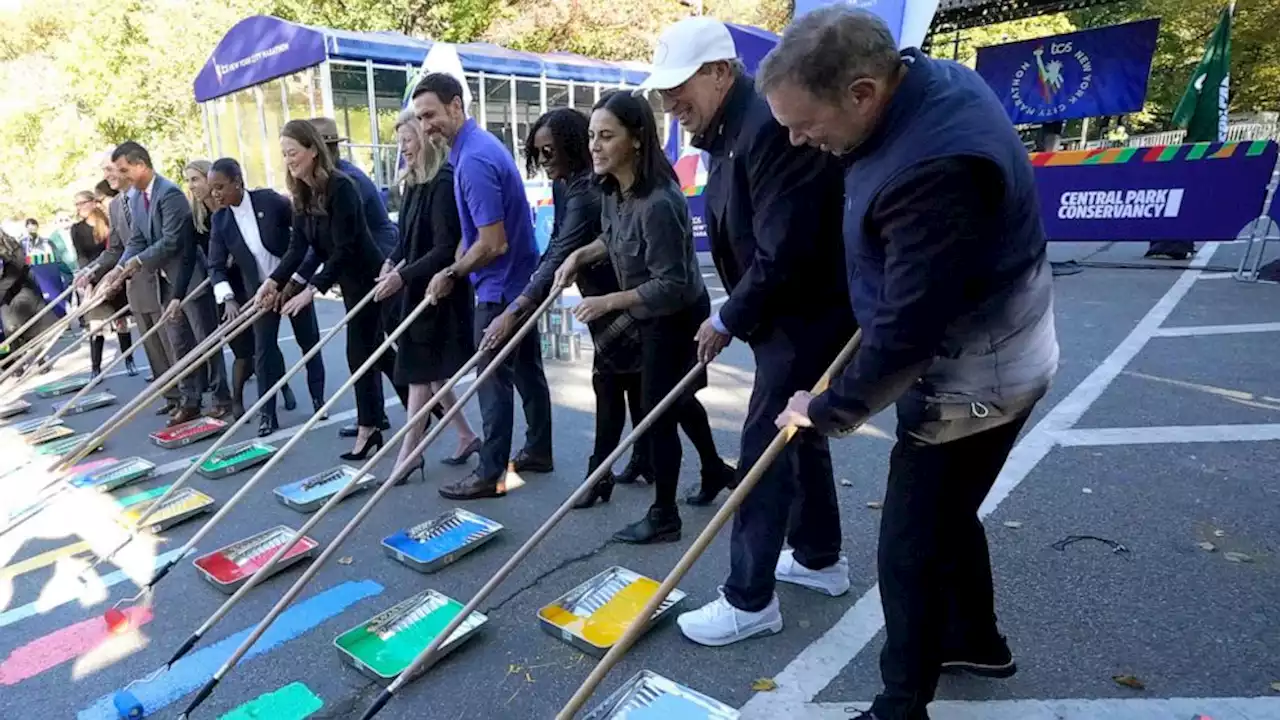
934 568
195 322
269 361
615 394
667 353
795 500
364 335
522 371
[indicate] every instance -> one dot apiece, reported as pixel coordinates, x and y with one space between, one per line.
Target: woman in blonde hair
89 237
203 205
440 340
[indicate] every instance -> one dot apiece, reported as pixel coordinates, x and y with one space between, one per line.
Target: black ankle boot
715 478
634 472
601 490
95 354
290 401
126 342
658 525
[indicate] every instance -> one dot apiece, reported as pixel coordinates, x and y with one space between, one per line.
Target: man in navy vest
952 287
773 219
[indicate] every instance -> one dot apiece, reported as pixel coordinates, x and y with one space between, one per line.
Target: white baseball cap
686 46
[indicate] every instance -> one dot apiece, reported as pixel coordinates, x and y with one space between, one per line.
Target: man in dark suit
163 233
142 290
773 217
252 229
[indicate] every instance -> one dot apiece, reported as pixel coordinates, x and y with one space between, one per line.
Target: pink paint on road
59 646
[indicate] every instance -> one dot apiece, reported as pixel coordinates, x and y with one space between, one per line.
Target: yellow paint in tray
605 626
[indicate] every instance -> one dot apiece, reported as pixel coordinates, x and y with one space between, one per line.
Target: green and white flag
1203 108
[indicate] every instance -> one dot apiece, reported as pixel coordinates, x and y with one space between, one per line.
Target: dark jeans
364 335
667 353
269 361
195 322
615 393
935 572
795 500
522 371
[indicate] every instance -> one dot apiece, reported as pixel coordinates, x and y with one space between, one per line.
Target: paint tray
92 401
229 567
594 615
649 696
26 427
66 445
308 494
386 643
49 434
434 544
180 507
17 407
234 458
188 432
116 475
62 387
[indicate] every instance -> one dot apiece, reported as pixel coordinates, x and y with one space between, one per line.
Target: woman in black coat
20 298
329 218
440 340
89 238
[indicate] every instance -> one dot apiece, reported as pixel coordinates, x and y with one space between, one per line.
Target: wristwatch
450 273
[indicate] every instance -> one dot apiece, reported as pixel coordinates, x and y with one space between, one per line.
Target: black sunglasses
546 152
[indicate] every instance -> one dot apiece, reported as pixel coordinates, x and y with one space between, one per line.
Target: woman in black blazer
439 341
328 218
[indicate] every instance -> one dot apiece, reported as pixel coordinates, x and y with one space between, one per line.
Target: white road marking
810 672
1198 330
1168 434
1217 708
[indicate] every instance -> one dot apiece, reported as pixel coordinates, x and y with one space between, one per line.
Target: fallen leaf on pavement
875 505
346 560
1129 681
1087 491
1207 546
1237 557
1275 686
846 482
764 685
1012 524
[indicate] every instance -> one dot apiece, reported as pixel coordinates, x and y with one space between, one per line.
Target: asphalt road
1189 623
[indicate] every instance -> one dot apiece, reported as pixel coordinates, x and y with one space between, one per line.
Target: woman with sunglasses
558 144
647 236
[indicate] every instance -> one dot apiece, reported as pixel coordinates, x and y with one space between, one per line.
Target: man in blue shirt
385 233
500 254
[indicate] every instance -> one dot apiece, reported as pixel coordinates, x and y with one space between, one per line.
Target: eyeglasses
546 152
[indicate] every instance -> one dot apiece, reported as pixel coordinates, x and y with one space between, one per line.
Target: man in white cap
773 219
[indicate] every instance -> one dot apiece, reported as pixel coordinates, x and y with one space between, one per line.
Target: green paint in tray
129 501
221 462
388 657
294 701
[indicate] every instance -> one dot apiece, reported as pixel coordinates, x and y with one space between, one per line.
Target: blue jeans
522 370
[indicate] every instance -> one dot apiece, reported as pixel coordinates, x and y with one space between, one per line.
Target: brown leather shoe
473 487
185 414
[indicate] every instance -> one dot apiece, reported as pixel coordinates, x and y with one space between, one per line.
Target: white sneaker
718 623
833 581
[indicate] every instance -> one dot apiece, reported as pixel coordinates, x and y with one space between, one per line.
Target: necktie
146 200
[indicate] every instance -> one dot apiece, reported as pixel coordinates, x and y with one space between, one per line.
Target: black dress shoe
714 479
525 462
993 660
290 401
168 409
474 487
658 525
352 430
267 424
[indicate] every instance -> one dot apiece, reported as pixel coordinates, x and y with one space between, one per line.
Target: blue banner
1082 74
891 11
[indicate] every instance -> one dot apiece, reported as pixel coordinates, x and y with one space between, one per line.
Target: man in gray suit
142 290
163 235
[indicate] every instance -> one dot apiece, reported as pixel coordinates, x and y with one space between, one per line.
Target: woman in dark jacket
89 237
648 238
557 144
329 218
20 297
440 340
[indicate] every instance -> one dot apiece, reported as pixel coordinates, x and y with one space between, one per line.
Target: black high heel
420 467
601 490
373 444
462 457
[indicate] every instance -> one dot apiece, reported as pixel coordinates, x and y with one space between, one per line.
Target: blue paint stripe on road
189 673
